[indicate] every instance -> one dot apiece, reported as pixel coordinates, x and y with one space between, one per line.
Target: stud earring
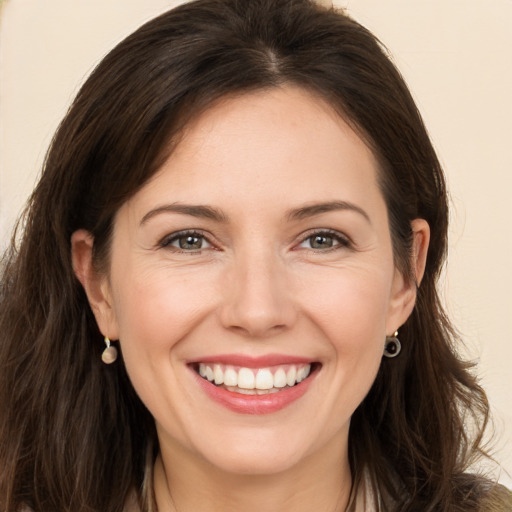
109 355
393 346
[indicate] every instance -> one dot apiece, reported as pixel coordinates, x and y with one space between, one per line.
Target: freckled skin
259 283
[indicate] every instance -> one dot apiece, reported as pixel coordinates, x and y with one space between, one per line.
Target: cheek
155 310
351 311
356 331
351 308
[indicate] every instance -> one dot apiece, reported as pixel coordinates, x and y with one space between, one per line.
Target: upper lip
247 361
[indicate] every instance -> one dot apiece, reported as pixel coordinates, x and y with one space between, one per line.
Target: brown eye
186 242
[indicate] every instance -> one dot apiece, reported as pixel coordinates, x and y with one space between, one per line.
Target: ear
404 290
96 285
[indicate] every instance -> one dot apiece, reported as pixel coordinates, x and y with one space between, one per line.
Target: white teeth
303 372
246 391
246 378
264 380
218 374
291 375
280 378
230 377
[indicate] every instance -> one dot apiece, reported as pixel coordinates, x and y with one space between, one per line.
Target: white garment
365 500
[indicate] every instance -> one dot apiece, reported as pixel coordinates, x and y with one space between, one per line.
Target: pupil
320 242
190 242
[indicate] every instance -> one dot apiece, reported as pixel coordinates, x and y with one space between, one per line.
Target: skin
257 286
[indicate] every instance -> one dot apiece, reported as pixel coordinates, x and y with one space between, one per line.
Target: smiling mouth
255 381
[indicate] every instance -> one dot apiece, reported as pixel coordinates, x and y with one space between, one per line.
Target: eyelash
342 241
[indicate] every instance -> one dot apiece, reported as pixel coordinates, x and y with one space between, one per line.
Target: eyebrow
209 212
318 208
199 210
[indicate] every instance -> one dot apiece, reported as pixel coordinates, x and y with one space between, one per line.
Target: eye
324 240
186 241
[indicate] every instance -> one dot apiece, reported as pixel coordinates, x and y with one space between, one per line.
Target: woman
239 212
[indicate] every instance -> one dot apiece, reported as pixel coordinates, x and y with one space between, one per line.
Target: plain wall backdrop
456 56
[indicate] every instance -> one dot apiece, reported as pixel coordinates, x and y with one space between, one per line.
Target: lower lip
255 404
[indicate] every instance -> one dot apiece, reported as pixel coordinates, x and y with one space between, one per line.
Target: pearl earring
109 355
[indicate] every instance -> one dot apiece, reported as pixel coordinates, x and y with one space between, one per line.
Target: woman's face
259 255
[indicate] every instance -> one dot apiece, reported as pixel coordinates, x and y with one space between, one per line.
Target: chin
259 450
255 462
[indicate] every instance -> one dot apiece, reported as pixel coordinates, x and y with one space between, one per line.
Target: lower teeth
252 391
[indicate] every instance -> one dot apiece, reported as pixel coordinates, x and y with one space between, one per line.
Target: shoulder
482 494
496 499
131 505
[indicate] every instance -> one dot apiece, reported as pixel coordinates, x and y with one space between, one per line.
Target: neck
320 482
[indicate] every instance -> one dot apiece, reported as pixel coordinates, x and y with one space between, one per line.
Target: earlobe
405 288
95 285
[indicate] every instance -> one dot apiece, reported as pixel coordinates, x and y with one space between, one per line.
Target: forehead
286 143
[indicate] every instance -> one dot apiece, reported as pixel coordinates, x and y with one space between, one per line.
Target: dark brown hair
74 436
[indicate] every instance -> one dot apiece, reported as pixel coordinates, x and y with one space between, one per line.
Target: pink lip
254 404
252 361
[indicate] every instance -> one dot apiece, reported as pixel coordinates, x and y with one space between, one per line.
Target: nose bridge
256 300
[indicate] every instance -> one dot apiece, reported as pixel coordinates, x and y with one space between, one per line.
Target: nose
256 297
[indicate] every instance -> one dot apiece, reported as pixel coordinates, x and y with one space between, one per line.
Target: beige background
456 56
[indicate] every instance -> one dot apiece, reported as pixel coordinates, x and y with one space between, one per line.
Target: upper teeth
254 378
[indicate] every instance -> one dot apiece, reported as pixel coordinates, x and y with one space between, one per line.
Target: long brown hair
74 436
